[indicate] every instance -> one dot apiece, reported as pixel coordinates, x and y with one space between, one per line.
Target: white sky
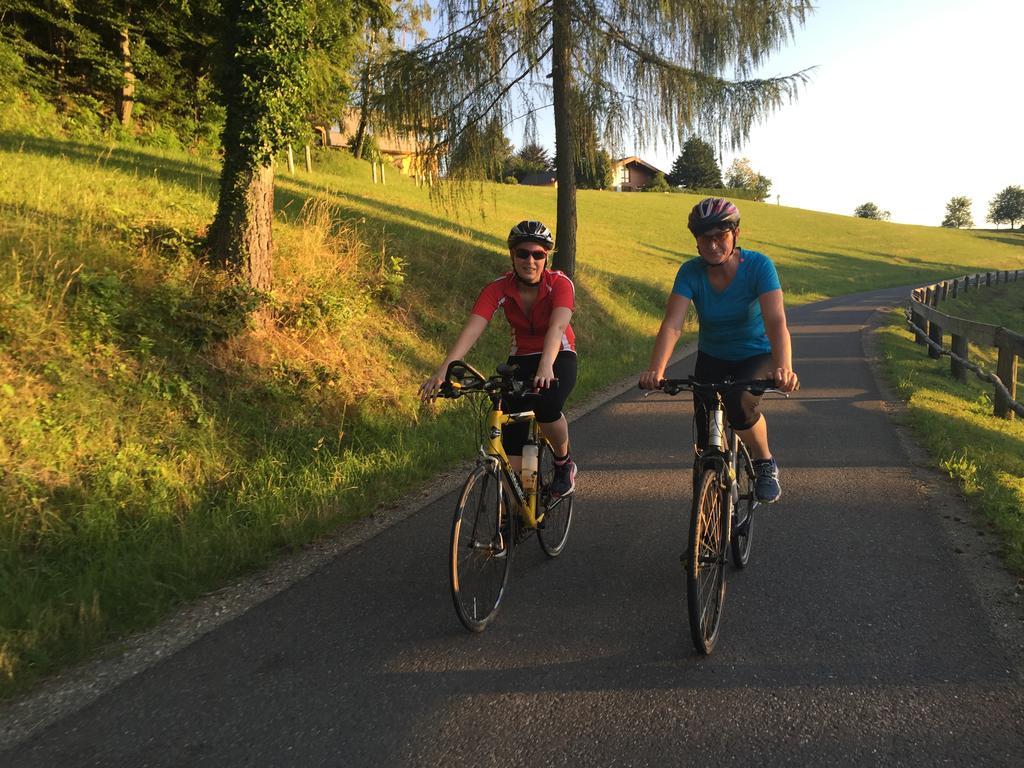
912 102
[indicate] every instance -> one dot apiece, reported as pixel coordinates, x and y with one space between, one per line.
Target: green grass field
997 305
954 421
153 444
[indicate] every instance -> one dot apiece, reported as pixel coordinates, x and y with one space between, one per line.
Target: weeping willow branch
654 68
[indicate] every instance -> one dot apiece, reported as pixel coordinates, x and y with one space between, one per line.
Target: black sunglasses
523 253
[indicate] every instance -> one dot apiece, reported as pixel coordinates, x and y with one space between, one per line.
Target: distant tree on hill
531 158
535 154
958 213
596 173
1007 206
484 152
871 211
741 176
657 184
696 166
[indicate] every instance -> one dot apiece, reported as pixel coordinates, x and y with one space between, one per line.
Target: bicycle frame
495 452
721 459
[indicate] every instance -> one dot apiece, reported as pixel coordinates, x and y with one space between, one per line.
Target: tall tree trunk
241 237
126 99
364 97
565 161
364 111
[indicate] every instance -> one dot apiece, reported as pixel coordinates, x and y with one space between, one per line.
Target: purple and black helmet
713 213
530 232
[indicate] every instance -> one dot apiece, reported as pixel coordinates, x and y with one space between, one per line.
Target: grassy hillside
154 444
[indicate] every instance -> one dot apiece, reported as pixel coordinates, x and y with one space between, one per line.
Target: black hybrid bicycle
722 516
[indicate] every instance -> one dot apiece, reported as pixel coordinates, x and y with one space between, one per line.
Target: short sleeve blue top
731 326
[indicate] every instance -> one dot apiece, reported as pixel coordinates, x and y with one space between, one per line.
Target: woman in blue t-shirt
743 331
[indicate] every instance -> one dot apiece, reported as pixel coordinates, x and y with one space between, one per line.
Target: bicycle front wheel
553 530
705 572
481 548
743 514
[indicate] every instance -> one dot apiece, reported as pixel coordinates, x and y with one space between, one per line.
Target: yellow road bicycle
499 507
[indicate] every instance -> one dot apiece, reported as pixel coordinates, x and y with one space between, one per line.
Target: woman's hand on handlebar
786 379
545 376
651 379
429 388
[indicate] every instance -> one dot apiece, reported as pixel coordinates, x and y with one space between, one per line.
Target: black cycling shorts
741 407
547 405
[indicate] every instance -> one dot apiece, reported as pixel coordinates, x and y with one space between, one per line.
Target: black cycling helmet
713 213
530 232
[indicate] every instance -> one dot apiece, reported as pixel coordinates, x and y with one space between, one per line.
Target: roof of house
633 159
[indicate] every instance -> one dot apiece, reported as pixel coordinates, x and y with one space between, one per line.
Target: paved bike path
857 635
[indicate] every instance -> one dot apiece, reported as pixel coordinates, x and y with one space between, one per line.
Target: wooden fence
930 325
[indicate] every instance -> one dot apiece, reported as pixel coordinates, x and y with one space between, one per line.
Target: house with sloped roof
632 173
403 149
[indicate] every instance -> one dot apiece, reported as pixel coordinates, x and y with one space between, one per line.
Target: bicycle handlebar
462 379
754 386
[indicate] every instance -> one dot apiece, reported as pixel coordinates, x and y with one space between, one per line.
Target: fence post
309 160
291 160
934 329
956 286
959 347
1006 370
988 279
916 318
945 289
373 165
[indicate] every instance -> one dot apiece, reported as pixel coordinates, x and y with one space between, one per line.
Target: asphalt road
859 634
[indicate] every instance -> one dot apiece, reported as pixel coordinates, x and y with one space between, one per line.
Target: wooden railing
930 325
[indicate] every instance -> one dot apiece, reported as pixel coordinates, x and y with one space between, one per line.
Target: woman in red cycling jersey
538 304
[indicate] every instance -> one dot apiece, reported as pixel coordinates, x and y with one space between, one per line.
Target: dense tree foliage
537 155
958 213
155 69
595 171
120 62
492 152
696 166
658 184
645 67
742 176
871 211
266 85
1007 207
376 44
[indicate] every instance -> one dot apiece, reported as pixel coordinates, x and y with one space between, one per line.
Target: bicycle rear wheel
481 548
743 514
553 530
705 572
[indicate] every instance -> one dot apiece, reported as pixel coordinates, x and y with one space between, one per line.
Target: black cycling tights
740 406
547 405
